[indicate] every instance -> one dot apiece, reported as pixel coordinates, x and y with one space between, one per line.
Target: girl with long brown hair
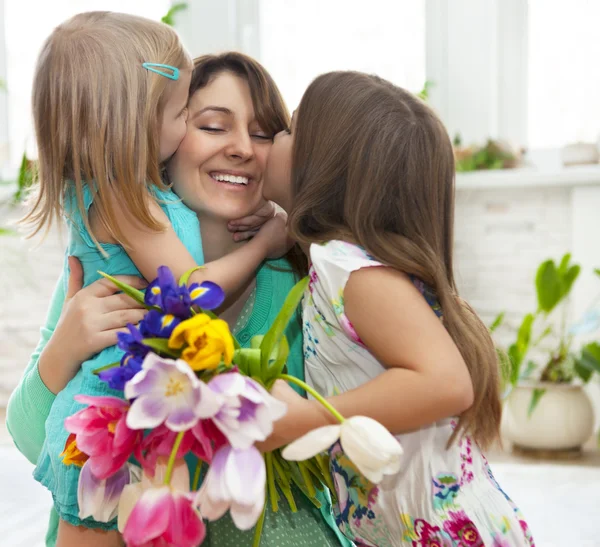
366 172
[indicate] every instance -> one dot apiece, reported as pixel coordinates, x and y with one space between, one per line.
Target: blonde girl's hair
97 115
373 164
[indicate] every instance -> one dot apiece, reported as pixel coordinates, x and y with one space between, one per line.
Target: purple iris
165 294
207 295
172 299
132 342
117 377
158 325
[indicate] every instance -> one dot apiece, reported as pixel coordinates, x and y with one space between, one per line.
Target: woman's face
219 166
278 174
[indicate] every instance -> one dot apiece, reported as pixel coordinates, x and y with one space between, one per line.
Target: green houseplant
546 407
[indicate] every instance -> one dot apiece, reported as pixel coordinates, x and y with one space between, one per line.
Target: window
300 39
564 72
27 24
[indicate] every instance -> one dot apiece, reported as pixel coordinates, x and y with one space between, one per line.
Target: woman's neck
217 240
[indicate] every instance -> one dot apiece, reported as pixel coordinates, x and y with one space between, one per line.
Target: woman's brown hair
97 114
374 165
269 107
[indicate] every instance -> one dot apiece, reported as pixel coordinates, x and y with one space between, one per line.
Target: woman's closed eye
212 129
262 136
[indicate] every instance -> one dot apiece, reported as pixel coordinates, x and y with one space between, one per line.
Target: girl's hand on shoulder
275 237
247 227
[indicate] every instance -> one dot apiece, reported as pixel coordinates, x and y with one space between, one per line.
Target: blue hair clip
163 70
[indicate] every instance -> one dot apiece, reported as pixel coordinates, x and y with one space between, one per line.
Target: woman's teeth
230 178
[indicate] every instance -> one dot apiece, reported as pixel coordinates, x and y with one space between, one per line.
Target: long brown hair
97 114
269 107
374 165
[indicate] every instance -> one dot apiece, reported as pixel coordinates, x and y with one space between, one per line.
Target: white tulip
370 446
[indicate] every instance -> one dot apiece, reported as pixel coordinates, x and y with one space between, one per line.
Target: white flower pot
562 420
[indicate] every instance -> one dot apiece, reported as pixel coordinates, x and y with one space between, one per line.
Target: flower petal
186 528
181 419
207 295
371 447
147 412
246 476
246 516
100 498
129 497
314 442
149 518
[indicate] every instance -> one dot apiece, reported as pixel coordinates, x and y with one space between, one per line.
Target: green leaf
282 352
25 178
515 363
548 286
274 334
497 322
584 373
524 334
590 358
160 345
535 399
597 271
248 360
563 267
169 18
183 280
7 232
138 296
569 278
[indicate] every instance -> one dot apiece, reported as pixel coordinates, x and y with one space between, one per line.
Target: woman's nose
241 146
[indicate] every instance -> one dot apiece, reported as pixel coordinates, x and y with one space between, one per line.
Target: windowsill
529 177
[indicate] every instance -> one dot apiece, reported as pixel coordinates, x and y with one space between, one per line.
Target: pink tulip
164 516
199 440
102 433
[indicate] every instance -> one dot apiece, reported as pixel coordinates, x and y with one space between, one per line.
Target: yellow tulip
207 341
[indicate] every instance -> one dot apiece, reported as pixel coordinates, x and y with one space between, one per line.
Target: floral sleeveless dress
443 497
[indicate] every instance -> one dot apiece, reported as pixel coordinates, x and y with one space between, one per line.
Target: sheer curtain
300 39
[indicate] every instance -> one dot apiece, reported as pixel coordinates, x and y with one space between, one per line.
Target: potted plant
546 407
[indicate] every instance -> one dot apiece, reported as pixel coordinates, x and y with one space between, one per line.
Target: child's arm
149 250
76 536
426 378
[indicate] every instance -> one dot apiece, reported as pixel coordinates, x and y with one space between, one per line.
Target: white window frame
4 140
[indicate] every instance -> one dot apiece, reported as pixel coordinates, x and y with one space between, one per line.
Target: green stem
259 527
106 367
172 457
197 476
307 479
271 482
312 392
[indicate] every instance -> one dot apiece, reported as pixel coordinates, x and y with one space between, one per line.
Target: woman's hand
247 227
90 321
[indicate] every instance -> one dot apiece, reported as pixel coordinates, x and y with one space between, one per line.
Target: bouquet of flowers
190 389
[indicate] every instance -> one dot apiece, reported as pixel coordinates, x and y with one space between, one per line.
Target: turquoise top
32 403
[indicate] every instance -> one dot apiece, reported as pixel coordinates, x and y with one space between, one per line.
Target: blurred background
517 83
